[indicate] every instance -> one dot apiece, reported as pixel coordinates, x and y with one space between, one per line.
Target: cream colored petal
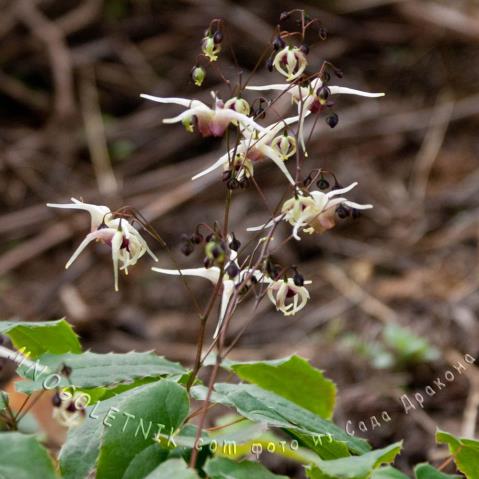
212 274
105 234
231 115
177 101
272 155
350 91
116 243
340 191
186 114
221 161
228 289
97 212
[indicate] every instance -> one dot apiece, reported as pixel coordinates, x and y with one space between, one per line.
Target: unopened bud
215 251
238 104
187 246
198 75
322 184
298 279
56 400
218 37
232 270
355 213
235 244
332 120
278 43
304 48
196 238
207 263
323 93
269 64
342 212
209 48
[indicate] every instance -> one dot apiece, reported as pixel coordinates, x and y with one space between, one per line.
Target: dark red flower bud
298 279
322 184
235 244
342 212
323 93
187 248
56 400
196 238
304 48
232 270
278 43
332 120
269 64
218 37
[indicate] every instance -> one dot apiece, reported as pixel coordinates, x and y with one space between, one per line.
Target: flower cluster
314 212
284 293
306 211
127 245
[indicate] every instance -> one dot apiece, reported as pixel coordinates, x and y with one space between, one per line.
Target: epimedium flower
69 410
311 98
255 146
211 45
314 212
210 121
232 277
285 294
290 62
127 245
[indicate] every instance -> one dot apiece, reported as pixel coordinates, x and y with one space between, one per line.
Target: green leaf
145 462
426 471
292 378
222 468
22 457
234 434
91 370
161 406
56 337
354 467
388 472
80 451
409 346
465 452
174 469
257 404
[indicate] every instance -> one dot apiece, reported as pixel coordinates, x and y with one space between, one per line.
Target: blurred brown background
72 124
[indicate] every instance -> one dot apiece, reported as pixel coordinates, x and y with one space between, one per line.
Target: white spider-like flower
287 296
313 213
255 146
210 121
69 410
127 245
311 98
290 62
276 291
